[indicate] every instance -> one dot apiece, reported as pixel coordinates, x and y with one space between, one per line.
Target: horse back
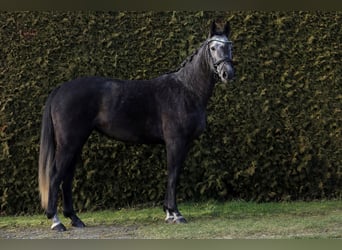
140 111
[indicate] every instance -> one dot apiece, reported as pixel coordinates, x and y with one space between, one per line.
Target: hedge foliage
274 133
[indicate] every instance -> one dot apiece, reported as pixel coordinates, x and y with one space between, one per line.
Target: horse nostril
225 75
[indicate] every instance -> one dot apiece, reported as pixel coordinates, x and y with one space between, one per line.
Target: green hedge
273 134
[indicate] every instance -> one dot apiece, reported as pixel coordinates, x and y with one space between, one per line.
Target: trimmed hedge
273 134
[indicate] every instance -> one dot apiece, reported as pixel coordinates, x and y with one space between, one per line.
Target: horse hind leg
68 209
51 211
57 224
63 173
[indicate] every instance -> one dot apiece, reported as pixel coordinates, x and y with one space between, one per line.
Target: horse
169 109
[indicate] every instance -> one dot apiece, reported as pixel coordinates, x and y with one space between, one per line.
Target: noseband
224 59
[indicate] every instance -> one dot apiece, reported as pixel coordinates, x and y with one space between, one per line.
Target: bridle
224 59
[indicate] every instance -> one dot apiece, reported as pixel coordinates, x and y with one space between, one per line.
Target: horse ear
212 30
226 29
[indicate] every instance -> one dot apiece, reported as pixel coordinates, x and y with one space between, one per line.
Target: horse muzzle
226 71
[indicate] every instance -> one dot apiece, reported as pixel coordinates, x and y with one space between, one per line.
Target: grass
237 219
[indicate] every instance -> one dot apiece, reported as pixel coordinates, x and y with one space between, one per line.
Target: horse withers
169 110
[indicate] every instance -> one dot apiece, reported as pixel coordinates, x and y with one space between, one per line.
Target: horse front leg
176 153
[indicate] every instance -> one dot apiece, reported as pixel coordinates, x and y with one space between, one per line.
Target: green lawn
237 219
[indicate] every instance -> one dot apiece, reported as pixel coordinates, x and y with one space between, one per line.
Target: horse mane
187 60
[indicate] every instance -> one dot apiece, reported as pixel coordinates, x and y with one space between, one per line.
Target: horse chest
183 124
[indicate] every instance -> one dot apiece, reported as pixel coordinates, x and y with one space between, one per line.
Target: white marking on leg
55 221
173 217
169 216
177 217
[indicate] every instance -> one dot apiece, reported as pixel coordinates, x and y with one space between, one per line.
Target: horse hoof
59 228
180 220
78 223
169 220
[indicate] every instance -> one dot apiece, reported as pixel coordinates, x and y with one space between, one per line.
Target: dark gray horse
169 109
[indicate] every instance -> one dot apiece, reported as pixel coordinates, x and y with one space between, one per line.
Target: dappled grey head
220 52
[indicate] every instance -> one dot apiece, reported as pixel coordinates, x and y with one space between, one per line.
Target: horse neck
197 76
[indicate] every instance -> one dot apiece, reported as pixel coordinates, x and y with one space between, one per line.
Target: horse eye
213 48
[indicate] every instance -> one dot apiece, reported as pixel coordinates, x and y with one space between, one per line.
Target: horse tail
46 152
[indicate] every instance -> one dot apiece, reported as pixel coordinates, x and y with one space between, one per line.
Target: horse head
220 52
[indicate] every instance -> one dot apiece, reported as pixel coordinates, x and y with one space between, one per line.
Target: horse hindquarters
72 122
70 138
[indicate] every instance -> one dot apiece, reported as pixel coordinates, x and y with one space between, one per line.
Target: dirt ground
91 232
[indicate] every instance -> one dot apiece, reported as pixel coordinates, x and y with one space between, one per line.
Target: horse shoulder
182 113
